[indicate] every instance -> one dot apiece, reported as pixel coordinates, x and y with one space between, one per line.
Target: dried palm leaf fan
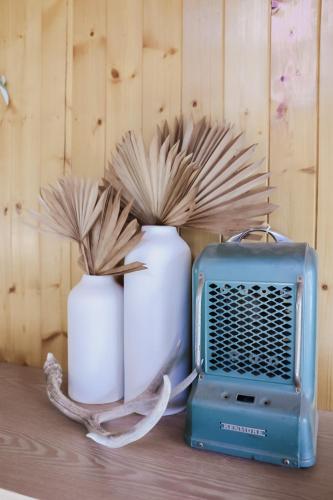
78 209
193 175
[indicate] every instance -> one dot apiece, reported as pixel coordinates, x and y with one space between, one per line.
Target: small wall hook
3 89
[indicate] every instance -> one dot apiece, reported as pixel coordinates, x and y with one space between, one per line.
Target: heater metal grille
250 330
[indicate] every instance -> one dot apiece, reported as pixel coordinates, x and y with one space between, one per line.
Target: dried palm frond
157 180
112 237
194 175
78 209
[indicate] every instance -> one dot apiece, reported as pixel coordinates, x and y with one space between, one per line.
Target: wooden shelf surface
46 456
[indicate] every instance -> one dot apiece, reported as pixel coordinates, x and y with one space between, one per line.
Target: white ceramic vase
157 311
95 340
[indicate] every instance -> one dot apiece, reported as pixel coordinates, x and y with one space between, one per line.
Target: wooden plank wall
82 72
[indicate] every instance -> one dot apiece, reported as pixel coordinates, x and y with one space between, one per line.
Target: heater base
265 422
248 453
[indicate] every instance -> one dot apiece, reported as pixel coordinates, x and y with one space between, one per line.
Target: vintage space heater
254 310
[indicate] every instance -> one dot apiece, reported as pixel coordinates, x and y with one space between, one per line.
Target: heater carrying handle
197 323
298 328
277 237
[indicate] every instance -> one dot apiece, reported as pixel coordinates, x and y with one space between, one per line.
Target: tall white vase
95 340
157 310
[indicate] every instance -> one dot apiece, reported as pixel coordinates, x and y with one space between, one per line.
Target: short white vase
157 311
95 340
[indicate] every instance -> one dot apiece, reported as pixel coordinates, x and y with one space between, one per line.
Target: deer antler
150 402
142 427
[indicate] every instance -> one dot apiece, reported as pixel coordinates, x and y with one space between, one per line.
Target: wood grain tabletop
46 456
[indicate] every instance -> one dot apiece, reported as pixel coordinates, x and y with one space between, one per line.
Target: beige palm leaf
71 207
79 209
194 175
231 188
112 237
157 179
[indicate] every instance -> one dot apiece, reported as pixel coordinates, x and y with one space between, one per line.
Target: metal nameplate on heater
241 428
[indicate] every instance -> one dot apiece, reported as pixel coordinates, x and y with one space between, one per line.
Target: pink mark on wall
275 6
281 110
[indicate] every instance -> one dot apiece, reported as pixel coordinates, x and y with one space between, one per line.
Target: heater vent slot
251 330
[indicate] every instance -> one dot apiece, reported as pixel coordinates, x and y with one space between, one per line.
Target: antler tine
149 403
91 419
184 384
53 373
142 427
145 401
122 410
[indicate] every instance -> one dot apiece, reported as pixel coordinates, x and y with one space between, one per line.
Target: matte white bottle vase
157 311
95 340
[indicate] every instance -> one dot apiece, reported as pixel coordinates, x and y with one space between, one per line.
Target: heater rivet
286 461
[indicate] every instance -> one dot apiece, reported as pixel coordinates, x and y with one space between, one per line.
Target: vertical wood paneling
202 90
162 39
55 253
68 76
6 118
36 270
203 26
82 72
325 210
23 71
88 95
124 69
246 83
293 123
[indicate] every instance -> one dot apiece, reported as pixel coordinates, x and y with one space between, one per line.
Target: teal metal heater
254 309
